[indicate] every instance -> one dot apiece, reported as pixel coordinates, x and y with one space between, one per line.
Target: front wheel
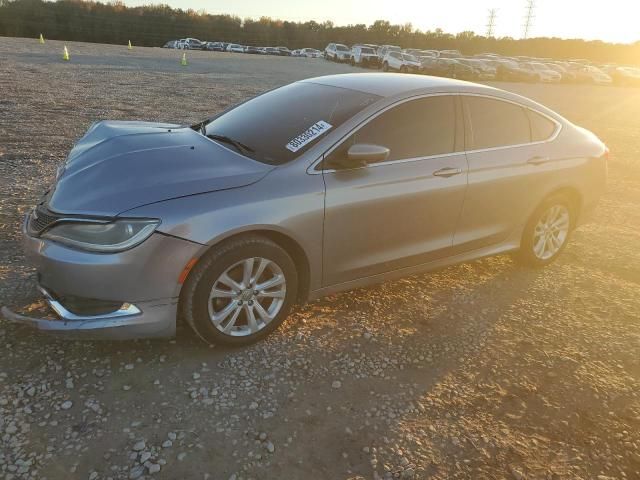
240 291
547 232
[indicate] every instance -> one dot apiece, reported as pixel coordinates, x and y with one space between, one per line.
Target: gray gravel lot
483 371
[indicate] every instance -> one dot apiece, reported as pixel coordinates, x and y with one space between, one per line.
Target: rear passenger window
541 127
495 123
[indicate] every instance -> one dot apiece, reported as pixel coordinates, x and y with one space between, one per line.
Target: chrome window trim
312 171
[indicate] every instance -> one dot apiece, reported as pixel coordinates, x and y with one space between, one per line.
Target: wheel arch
572 194
286 242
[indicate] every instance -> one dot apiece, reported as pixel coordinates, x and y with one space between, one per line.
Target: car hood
117 166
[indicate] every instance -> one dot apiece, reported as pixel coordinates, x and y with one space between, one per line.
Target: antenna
491 23
528 18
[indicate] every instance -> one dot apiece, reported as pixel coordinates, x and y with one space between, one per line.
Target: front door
402 211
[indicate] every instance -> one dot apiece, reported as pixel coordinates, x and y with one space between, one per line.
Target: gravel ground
479 371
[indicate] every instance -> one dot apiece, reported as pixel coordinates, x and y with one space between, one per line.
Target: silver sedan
320 186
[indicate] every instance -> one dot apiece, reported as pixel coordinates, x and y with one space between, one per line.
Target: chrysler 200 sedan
316 187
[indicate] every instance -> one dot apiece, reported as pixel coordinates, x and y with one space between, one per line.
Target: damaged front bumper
146 320
119 296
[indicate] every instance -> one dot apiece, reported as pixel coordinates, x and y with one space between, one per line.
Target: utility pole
491 23
529 16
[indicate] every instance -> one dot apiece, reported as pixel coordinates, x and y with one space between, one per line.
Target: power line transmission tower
529 16
491 23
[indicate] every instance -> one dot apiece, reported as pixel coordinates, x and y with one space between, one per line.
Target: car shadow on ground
387 346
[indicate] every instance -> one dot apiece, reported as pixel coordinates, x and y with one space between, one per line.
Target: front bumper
145 320
144 280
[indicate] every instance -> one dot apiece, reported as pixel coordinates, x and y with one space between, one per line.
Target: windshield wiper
241 147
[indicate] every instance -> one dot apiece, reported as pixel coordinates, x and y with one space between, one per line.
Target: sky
608 20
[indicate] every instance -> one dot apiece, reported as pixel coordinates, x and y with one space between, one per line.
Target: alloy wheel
551 232
247 296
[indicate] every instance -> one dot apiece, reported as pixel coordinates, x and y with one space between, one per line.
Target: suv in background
337 52
364 56
401 62
384 49
193 44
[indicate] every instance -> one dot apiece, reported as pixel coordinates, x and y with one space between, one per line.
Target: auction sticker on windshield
313 132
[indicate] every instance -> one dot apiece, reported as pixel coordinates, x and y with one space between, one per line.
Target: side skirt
492 250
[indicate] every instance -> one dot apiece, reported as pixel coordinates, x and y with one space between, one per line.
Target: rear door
506 144
403 211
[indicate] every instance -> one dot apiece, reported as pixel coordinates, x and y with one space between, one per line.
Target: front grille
40 219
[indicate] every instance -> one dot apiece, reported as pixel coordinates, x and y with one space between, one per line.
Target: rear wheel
547 232
240 291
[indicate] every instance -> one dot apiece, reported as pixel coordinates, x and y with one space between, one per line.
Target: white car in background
591 74
543 73
337 52
235 48
384 49
364 56
401 62
311 53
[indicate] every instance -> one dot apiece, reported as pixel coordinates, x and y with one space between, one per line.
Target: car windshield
342 48
278 126
367 50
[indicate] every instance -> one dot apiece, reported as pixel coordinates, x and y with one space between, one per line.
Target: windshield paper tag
319 128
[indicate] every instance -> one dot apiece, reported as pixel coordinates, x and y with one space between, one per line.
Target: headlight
104 237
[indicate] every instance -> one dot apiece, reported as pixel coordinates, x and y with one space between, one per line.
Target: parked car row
442 63
489 66
195 44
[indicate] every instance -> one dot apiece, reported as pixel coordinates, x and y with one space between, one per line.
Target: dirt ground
481 371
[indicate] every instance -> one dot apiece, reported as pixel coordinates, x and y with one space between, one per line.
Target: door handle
447 172
538 160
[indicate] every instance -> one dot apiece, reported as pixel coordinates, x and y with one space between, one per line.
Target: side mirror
358 155
363 154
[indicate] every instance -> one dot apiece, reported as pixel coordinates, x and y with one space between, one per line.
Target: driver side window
414 129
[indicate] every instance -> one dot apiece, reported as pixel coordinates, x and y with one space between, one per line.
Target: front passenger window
414 129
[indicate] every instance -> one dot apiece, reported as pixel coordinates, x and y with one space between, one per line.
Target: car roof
400 85
390 84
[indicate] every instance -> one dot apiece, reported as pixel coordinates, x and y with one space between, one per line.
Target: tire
385 67
229 258
529 253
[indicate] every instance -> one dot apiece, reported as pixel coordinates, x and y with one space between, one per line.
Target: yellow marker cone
65 54
41 39
130 47
184 60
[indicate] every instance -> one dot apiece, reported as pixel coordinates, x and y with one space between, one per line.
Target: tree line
153 25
